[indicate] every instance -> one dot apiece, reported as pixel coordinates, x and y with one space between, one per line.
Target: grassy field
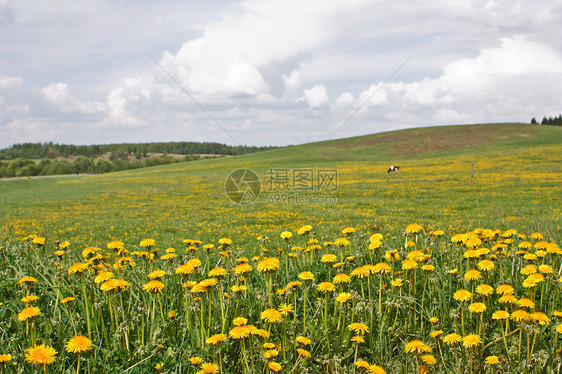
457 179
516 182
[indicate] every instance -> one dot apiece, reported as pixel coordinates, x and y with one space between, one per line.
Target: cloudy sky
270 72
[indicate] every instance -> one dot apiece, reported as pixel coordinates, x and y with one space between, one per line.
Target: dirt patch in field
412 142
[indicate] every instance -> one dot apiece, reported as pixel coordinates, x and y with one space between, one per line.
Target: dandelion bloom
382 268
239 332
541 318
268 264
526 303
103 276
306 275
520 315
195 360
79 344
452 339
375 369
242 268
274 366
147 243
545 269
341 242
471 340
428 268
413 228
358 339
429 359
286 235
239 321
462 295
114 285
30 299
507 299
154 286
304 230
303 340
341 278
529 269
559 329
415 255
434 320
477 307
326 287
156 274
358 328
486 265
217 272
5 358
40 355
416 346
271 353
472 275
78 268
329 258
409 265
67 300
303 352
28 313
362 364
485 290
397 282
208 368
343 297
500 314
271 316
492 360
285 309
185 269
436 333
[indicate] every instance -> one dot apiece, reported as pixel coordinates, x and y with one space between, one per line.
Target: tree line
23 167
556 121
139 150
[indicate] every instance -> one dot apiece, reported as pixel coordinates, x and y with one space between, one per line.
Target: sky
270 72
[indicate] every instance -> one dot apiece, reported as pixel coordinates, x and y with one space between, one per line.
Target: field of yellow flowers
451 265
483 301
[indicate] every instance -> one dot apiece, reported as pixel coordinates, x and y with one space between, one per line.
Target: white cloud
10 82
316 97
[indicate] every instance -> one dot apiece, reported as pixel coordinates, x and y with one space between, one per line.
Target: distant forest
556 121
33 159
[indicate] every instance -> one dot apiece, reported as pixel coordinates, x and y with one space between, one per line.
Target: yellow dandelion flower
416 346
79 344
271 316
28 313
341 278
429 360
67 300
409 265
492 360
30 299
154 286
326 287
208 368
274 366
195 360
477 308
40 355
329 258
472 275
5 358
343 297
485 290
242 268
451 339
500 314
520 315
541 318
472 340
303 352
306 276
303 340
462 295
358 328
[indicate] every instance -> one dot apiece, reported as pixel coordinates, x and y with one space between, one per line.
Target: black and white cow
393 168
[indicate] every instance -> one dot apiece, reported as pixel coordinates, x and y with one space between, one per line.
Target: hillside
450 177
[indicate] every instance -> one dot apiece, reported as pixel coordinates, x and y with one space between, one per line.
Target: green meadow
452 264
453 178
